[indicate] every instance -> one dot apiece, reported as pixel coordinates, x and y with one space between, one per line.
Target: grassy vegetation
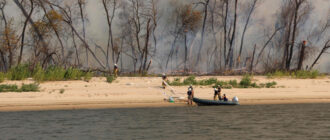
110 78
62 91
20 72
2 77
52 73
246 82
88 76
301 74
29 87
24 88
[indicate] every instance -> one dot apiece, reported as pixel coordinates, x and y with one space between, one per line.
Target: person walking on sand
190 94
115 70
164 79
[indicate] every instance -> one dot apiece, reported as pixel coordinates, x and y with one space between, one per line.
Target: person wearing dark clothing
225 97
216 93
164 79
219 92
190 94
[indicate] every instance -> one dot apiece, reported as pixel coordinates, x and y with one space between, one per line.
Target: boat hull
204 102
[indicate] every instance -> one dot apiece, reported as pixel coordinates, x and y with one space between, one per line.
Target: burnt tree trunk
203 30
301 55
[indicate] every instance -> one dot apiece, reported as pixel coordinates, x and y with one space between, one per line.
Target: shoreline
145 92
107 105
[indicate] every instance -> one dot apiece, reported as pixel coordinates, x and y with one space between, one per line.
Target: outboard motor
235 99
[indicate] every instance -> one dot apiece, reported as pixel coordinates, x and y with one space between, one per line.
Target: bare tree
225 32
23 31
36 30
110 4
205 4
324 49
186 23
67 20
53 26
82 4
297 18
251 9
266 44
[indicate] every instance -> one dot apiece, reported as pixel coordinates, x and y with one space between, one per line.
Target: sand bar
130 92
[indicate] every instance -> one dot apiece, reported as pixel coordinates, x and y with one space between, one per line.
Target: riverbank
131 92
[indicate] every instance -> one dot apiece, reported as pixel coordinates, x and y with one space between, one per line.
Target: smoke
262 20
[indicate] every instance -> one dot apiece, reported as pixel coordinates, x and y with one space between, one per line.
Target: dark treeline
204 36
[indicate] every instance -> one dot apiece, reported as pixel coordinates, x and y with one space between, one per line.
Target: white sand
146 92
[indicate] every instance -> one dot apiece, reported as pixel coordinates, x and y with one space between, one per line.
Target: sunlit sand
130 92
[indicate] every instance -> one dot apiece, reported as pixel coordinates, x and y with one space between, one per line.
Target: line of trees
153 35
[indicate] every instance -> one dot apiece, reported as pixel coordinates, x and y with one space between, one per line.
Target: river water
294 121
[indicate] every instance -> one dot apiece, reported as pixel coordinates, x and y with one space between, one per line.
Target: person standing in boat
164 79
190 94
225 97
219 92
115 70
216 94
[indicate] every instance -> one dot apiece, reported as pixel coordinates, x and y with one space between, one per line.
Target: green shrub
88 76
227 87
190 81
38 74
2 77
271 84
8 88
207 82
111 78
254 85
233 83
220 83
54 73
300 74
73 74
62 91
176 82
20 72
246 81
30 87
314 74
306 74
24 88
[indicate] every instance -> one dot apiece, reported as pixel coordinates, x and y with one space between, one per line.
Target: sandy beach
130 92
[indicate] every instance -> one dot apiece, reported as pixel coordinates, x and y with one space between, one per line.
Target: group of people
190 92
217 93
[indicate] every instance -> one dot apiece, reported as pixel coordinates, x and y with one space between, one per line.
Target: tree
205 4
187 23
66 19
324 49
301 8
24 29
54 19
251 9
110 4
82 4
231 39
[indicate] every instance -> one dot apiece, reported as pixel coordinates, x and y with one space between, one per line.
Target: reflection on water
301 121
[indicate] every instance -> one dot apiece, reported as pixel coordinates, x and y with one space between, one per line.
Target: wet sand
130 92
